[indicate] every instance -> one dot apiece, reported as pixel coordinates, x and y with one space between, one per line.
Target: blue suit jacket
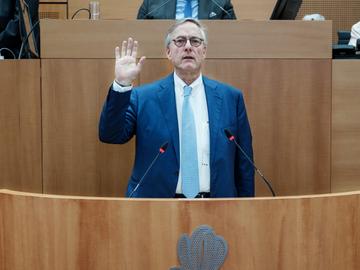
208 10
149 112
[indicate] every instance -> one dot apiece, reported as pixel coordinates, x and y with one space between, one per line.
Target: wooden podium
41 232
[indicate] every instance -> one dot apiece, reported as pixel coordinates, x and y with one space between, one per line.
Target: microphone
218 5
162 150
231 137
157 8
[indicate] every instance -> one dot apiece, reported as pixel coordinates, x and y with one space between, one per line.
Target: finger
123 48
141 62
135 48
117 52
129 46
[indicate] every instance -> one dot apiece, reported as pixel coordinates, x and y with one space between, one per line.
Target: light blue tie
188 9
189 159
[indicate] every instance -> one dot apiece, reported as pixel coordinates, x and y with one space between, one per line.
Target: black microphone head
228 133
163 147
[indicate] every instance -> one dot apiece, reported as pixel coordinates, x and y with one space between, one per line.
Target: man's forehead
186 29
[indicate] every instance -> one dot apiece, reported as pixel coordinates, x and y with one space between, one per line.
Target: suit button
177 173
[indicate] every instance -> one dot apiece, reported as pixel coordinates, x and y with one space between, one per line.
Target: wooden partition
41 232
287 88
345 125
20 125
128 9
227 39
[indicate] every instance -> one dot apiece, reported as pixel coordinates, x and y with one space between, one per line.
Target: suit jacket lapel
167 102
170 10
203 9
214 102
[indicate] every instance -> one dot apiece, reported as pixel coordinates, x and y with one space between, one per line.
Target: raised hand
126 68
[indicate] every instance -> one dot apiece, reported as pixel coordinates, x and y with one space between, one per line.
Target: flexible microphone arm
231 137
219 6
162 150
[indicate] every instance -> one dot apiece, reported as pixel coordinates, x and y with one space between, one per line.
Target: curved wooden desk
63 232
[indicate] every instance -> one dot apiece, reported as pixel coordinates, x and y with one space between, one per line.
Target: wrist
123 83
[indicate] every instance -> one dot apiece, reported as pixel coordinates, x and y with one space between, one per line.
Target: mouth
188 57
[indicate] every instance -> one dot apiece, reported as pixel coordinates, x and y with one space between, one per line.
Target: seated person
355 34
12 29
10 39
180 9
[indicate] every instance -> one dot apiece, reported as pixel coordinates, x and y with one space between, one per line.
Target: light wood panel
253 10
289 108
20 125
345 125
313 233
75 162
227 39
53 11
128 9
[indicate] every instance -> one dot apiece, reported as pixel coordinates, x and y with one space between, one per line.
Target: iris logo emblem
204 250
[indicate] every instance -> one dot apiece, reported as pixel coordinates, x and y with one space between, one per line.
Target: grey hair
172 28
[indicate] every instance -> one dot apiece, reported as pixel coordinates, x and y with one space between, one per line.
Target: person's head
186 43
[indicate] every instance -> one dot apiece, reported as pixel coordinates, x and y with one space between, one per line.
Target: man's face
187 58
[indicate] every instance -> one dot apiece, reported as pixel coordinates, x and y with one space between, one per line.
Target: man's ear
168 53
204 51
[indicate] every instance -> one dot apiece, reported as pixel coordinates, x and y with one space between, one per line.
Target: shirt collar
179 83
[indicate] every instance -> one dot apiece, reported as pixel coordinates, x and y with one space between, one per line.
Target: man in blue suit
187 110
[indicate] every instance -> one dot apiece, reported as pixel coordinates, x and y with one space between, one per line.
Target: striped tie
189 159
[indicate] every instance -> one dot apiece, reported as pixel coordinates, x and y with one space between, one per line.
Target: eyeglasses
194 41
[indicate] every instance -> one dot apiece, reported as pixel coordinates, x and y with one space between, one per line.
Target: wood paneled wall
20 125
227 39
49 136
53 11
345 125
56 232
75 162
288 100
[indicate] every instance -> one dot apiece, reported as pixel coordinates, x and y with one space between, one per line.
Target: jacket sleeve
245 171
118 117
9 27
230 15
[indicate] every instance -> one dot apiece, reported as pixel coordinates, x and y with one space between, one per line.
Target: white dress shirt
355 34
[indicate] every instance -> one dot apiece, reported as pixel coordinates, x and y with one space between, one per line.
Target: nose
188 44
